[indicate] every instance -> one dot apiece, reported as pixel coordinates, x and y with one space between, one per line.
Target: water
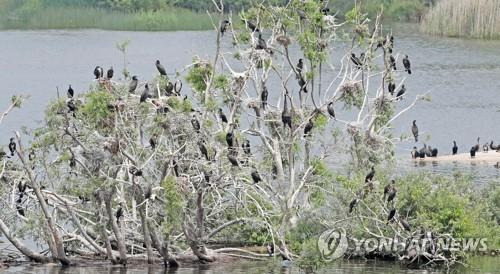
478 265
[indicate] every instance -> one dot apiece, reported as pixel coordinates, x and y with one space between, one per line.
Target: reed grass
65 17
464 18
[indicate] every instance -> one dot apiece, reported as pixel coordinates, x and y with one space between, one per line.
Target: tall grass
464 18
77 17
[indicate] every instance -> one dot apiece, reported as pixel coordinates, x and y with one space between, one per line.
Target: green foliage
199 75
173 204
96 104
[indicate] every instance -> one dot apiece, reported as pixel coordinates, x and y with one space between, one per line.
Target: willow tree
148 172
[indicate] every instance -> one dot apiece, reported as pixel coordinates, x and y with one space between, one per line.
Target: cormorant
401 92
325 11
493 147
406 63
178 88
370 175
414 153
256 177
286 116
232 159
331 110
392 213
473 152
392 88
392 194
145 94
176 167
71 92
110 72
71 106
252 26
19 208
428 151
203 150
161 68
12 146
98 72
414 130
434 152
422 151
300 67
392 62
263 96
135 171
270 249
405 225
31 155
119 214
169 87
388 188
454 150
353 204
21 187
309 126
152 141
222 116
261 43
485 147
223 26
497 165
356 60
196 124
133 84
476 147
246 147
230 138
302 84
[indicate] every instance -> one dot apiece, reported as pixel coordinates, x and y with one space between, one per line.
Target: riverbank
489 157
172 19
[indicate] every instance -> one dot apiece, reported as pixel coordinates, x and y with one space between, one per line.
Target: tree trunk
34 256
145 232
119 239
104 235
162 248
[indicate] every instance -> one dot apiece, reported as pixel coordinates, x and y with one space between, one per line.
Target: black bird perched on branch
133 84
331 110
414 130
401 92
392 213
406 64
223 26
12 146
270 249
230 138
392 194
203 150
119 214
21 187
454 150
222 116
252 26
325 11
110 73
405 225
356 60
369 176
309 126
232 159
246 147
353 204
473 152
286 116
302 84
98 72
195 124
261 43
392 62
71 92
263 97
19 208
152 141
145 94
135 171
388 188
256 177
299 67
160 68
392 88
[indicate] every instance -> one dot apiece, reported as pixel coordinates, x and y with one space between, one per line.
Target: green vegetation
464 18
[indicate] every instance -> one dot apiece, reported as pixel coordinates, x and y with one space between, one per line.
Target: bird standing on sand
473 152
454 150
406 64
161 68
476 147
414 130
414 153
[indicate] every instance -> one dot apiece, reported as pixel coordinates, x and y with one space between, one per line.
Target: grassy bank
464 18
89 17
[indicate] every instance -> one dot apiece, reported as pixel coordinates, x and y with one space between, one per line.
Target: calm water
479 265
463 75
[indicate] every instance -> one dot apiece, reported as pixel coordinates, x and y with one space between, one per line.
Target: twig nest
283 40
352 94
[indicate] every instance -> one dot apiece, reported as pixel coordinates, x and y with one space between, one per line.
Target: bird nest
352 94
